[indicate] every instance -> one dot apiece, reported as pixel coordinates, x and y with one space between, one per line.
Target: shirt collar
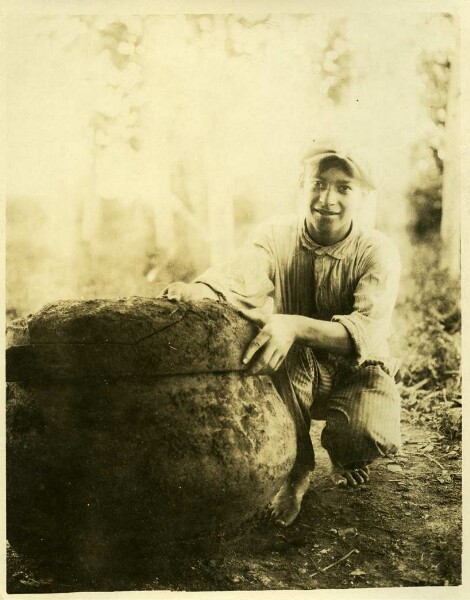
337 250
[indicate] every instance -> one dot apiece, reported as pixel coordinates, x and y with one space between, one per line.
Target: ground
402 529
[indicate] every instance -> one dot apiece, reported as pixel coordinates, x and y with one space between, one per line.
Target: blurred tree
451 189
116 76
434 62
335 62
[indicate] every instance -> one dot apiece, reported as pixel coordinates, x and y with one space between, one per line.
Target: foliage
335 64
431 368
428 152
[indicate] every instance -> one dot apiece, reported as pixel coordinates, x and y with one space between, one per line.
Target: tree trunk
451 190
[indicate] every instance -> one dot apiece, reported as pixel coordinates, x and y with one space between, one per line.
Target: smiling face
333 195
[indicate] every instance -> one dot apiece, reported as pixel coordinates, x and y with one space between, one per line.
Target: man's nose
327 196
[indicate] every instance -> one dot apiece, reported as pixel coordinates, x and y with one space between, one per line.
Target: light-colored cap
319 151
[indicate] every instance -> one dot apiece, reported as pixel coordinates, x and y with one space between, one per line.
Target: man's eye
343 189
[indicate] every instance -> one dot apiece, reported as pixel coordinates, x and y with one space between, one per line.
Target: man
331 290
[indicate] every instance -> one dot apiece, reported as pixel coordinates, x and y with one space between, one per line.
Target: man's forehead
334 173
321 153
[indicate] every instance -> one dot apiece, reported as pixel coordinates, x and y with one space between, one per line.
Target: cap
319 151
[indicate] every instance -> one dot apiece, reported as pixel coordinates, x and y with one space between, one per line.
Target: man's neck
324 239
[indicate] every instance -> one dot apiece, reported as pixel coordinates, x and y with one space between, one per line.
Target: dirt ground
403 529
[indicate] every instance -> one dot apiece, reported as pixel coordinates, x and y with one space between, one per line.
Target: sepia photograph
233 297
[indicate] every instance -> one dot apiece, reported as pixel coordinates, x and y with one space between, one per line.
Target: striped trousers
361 407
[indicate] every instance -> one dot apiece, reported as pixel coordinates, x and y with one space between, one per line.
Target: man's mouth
326 213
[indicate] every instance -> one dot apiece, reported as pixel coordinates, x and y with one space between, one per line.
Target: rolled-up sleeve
375 295
246 280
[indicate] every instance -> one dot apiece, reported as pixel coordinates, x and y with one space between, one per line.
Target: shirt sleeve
246 279
375 295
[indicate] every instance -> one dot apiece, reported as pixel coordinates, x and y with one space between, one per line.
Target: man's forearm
323 335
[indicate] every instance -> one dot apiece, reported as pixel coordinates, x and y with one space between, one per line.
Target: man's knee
352 443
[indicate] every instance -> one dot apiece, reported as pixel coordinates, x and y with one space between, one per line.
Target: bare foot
349 477
285 505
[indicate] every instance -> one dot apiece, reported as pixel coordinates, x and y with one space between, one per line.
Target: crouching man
332 289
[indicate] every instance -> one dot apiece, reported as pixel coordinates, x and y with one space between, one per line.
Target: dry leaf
394 468
357 573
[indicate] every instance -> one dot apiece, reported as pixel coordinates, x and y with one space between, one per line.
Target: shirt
353 282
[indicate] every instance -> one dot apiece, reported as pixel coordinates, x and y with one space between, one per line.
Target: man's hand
270 347
188 292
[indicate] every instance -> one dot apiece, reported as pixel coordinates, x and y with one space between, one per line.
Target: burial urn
131 423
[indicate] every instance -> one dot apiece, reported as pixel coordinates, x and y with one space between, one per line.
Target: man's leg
294 382
362 422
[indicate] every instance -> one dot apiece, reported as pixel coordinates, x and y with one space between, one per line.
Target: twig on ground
435 461
430 458
432 394
416 386
322 570
315 565
382 528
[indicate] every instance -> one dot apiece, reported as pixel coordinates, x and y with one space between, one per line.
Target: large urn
132 424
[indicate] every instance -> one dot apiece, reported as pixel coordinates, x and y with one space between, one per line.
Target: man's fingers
272 364
260 365
279 361
266 362
173 291
259 341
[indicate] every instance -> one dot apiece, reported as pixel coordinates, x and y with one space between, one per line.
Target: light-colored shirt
354 282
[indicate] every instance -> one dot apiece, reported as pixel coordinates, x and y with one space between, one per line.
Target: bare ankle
299 480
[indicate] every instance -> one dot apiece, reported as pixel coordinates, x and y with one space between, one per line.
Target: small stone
343 531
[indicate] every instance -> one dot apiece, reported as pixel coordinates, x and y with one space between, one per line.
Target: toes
266 513
350 478
358 477
364 474
270 514
339 480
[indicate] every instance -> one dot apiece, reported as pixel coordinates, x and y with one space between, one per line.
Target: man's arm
244 281
369 323
323 335
270 347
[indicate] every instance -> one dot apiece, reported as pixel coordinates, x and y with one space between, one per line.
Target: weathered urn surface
131 423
